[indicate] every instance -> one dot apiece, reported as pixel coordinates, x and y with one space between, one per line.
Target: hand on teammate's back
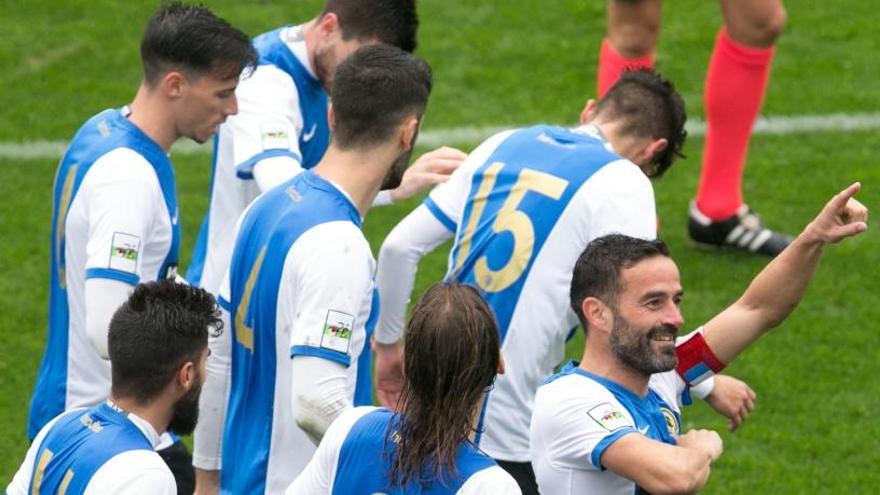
430 169
389 373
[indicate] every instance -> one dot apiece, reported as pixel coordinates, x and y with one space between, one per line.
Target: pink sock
612 65
735 87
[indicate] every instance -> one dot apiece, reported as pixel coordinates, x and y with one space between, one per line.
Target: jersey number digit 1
243 333
509 219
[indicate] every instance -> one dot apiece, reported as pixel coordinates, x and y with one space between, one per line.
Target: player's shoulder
133 471
573 392
122 164
490 481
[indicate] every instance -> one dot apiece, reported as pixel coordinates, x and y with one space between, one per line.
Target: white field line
794 124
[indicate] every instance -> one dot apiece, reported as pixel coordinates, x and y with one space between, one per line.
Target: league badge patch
337 331
124 252
274 137
608 417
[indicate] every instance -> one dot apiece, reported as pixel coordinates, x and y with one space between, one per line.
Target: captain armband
696 361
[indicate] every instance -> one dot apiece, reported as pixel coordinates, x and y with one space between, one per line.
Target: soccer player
115 218
739 70
282 127
300 285
158 344
521 208
611 424
452 356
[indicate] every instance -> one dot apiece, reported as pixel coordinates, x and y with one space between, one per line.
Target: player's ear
172 84
408 131
651 150
328 25
501 366
588 111
597 314
331 116
186 375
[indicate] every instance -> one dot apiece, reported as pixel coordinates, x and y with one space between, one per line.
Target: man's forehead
657 273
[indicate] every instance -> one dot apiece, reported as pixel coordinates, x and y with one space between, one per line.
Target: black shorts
523 473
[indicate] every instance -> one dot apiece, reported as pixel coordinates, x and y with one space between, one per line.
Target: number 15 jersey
523 207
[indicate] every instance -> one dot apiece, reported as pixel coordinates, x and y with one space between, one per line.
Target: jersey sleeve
416 235
333 281
268 122
447 200
135 472
318 475
124 198
572 429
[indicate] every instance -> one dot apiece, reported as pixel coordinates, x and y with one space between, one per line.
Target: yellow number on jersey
509 219
243 333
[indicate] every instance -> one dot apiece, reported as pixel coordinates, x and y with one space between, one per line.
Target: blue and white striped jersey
300 284
282 112
354 458
523 207
93 452
115 217
578 415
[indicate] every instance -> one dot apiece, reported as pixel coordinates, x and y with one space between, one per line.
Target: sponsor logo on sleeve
274 137
337 331
124 252
608 417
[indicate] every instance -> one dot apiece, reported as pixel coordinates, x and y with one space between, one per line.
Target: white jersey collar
593 131
296 42
141 424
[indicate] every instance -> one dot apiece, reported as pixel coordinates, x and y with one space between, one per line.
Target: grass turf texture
814 429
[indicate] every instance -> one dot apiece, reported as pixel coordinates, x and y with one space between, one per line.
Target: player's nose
232 108
672 316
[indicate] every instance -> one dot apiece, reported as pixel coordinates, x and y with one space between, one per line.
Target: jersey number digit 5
509 219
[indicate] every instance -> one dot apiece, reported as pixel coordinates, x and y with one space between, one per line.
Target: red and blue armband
696 361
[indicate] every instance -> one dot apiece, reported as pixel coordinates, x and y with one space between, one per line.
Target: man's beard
633 347
186 412
395 173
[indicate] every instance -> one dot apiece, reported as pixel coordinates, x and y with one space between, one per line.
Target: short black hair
191 38
394 22
373 91
650 108
157 330
597 270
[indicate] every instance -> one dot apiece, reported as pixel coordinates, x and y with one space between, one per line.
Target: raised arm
776 291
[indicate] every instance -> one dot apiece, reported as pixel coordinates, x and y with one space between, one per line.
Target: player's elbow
397 246
679 481
310 417
98 338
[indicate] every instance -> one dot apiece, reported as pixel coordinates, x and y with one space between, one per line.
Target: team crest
337 331
672 423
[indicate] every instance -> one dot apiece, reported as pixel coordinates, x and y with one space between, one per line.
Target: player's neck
607 366
151 122
156 412
359 173
624 144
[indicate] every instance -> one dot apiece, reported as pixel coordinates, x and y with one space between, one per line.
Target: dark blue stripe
599 449
443 217
245 169
223 303
128 278
305 350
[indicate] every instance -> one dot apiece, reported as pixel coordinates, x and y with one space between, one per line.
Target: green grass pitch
495 62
